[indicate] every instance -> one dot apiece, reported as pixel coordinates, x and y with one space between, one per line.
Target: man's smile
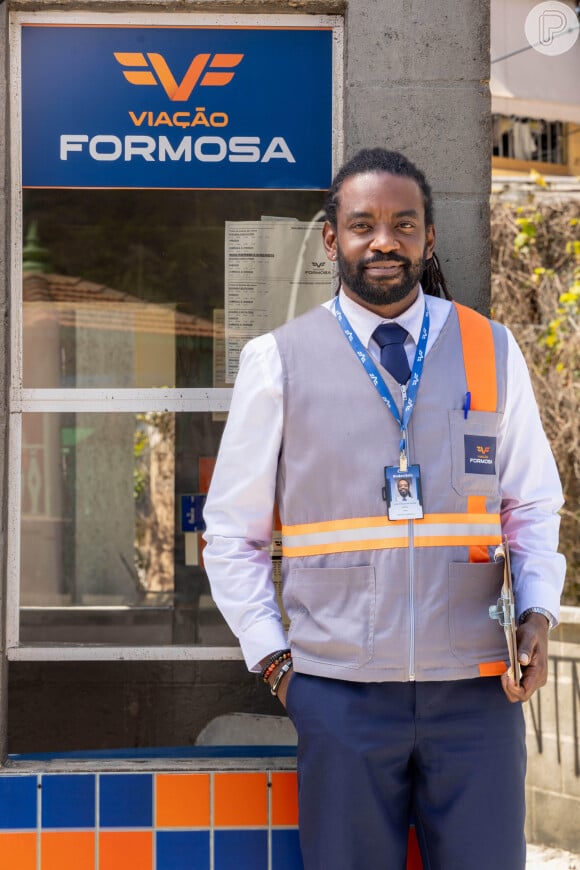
384 269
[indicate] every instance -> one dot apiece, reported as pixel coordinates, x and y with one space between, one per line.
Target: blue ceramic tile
182 850
286 853
244 850
18 802
126 800
68 801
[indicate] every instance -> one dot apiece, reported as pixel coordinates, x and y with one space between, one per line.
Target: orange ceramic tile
182 800
284 799
240 799
18 851
125 850
67 850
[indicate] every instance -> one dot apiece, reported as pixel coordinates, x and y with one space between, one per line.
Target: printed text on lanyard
409 393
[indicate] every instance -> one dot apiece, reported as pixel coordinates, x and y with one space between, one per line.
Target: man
393 672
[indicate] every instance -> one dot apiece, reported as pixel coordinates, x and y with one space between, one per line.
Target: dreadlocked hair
433 281
395 163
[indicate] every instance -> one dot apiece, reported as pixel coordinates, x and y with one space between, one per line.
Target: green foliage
536 292
527 233
565 326
140 475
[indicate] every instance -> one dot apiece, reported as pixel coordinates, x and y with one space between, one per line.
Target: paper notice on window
219 358
274 271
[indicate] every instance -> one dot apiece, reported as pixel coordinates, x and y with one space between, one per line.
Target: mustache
391 258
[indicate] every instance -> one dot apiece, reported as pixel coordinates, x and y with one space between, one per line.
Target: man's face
380 241
403 487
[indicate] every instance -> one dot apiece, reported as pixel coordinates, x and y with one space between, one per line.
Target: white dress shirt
239 507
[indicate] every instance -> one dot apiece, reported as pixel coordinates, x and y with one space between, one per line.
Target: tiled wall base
149 821
216 820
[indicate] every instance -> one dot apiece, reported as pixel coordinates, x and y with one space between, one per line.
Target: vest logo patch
479 454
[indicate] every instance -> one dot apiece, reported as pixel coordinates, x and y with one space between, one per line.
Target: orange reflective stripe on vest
379 533
478 358
480 374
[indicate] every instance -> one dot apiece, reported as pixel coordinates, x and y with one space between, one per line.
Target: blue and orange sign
176 107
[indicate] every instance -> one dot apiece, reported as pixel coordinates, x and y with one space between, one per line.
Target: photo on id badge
403 489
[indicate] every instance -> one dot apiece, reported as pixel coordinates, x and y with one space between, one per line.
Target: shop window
113 300
135 301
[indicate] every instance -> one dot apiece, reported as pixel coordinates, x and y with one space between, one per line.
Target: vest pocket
332 614
473 452
474 636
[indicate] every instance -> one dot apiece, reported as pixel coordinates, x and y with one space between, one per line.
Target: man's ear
329 240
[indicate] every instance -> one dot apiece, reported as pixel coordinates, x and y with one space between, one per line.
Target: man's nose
384 240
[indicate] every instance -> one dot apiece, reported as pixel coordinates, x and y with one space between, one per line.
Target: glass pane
104 558
125 288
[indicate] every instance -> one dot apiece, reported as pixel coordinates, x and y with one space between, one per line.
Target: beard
380 292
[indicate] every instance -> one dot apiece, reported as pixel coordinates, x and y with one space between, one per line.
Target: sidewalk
541 857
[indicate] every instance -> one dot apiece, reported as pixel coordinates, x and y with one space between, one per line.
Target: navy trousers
372 756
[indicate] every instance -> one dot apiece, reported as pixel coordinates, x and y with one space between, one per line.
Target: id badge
403 491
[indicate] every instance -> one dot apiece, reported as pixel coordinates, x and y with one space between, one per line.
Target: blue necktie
390 337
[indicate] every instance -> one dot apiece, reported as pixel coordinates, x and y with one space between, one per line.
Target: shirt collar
364 322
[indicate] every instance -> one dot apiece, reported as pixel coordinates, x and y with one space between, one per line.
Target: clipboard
505 612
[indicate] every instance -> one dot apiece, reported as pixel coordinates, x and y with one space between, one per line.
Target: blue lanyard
410 394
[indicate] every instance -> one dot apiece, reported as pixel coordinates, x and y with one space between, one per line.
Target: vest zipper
412 600
411 569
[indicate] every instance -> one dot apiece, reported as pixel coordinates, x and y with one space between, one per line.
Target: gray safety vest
371 599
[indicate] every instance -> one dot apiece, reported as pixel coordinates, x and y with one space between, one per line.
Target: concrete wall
553 740
415 80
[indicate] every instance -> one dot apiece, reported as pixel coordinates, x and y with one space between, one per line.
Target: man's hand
532 640
284 682
283 687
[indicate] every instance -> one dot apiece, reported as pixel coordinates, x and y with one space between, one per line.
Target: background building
534 96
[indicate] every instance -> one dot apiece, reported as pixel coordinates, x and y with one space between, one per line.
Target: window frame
519 164
119 400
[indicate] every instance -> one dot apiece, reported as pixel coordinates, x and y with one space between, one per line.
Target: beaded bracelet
272 663
280 676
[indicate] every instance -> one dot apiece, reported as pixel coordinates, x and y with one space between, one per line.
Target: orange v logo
203 70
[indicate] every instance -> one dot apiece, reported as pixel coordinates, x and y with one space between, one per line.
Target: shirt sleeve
531 494
240 503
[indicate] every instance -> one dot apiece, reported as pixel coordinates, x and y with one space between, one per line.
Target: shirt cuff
264 638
